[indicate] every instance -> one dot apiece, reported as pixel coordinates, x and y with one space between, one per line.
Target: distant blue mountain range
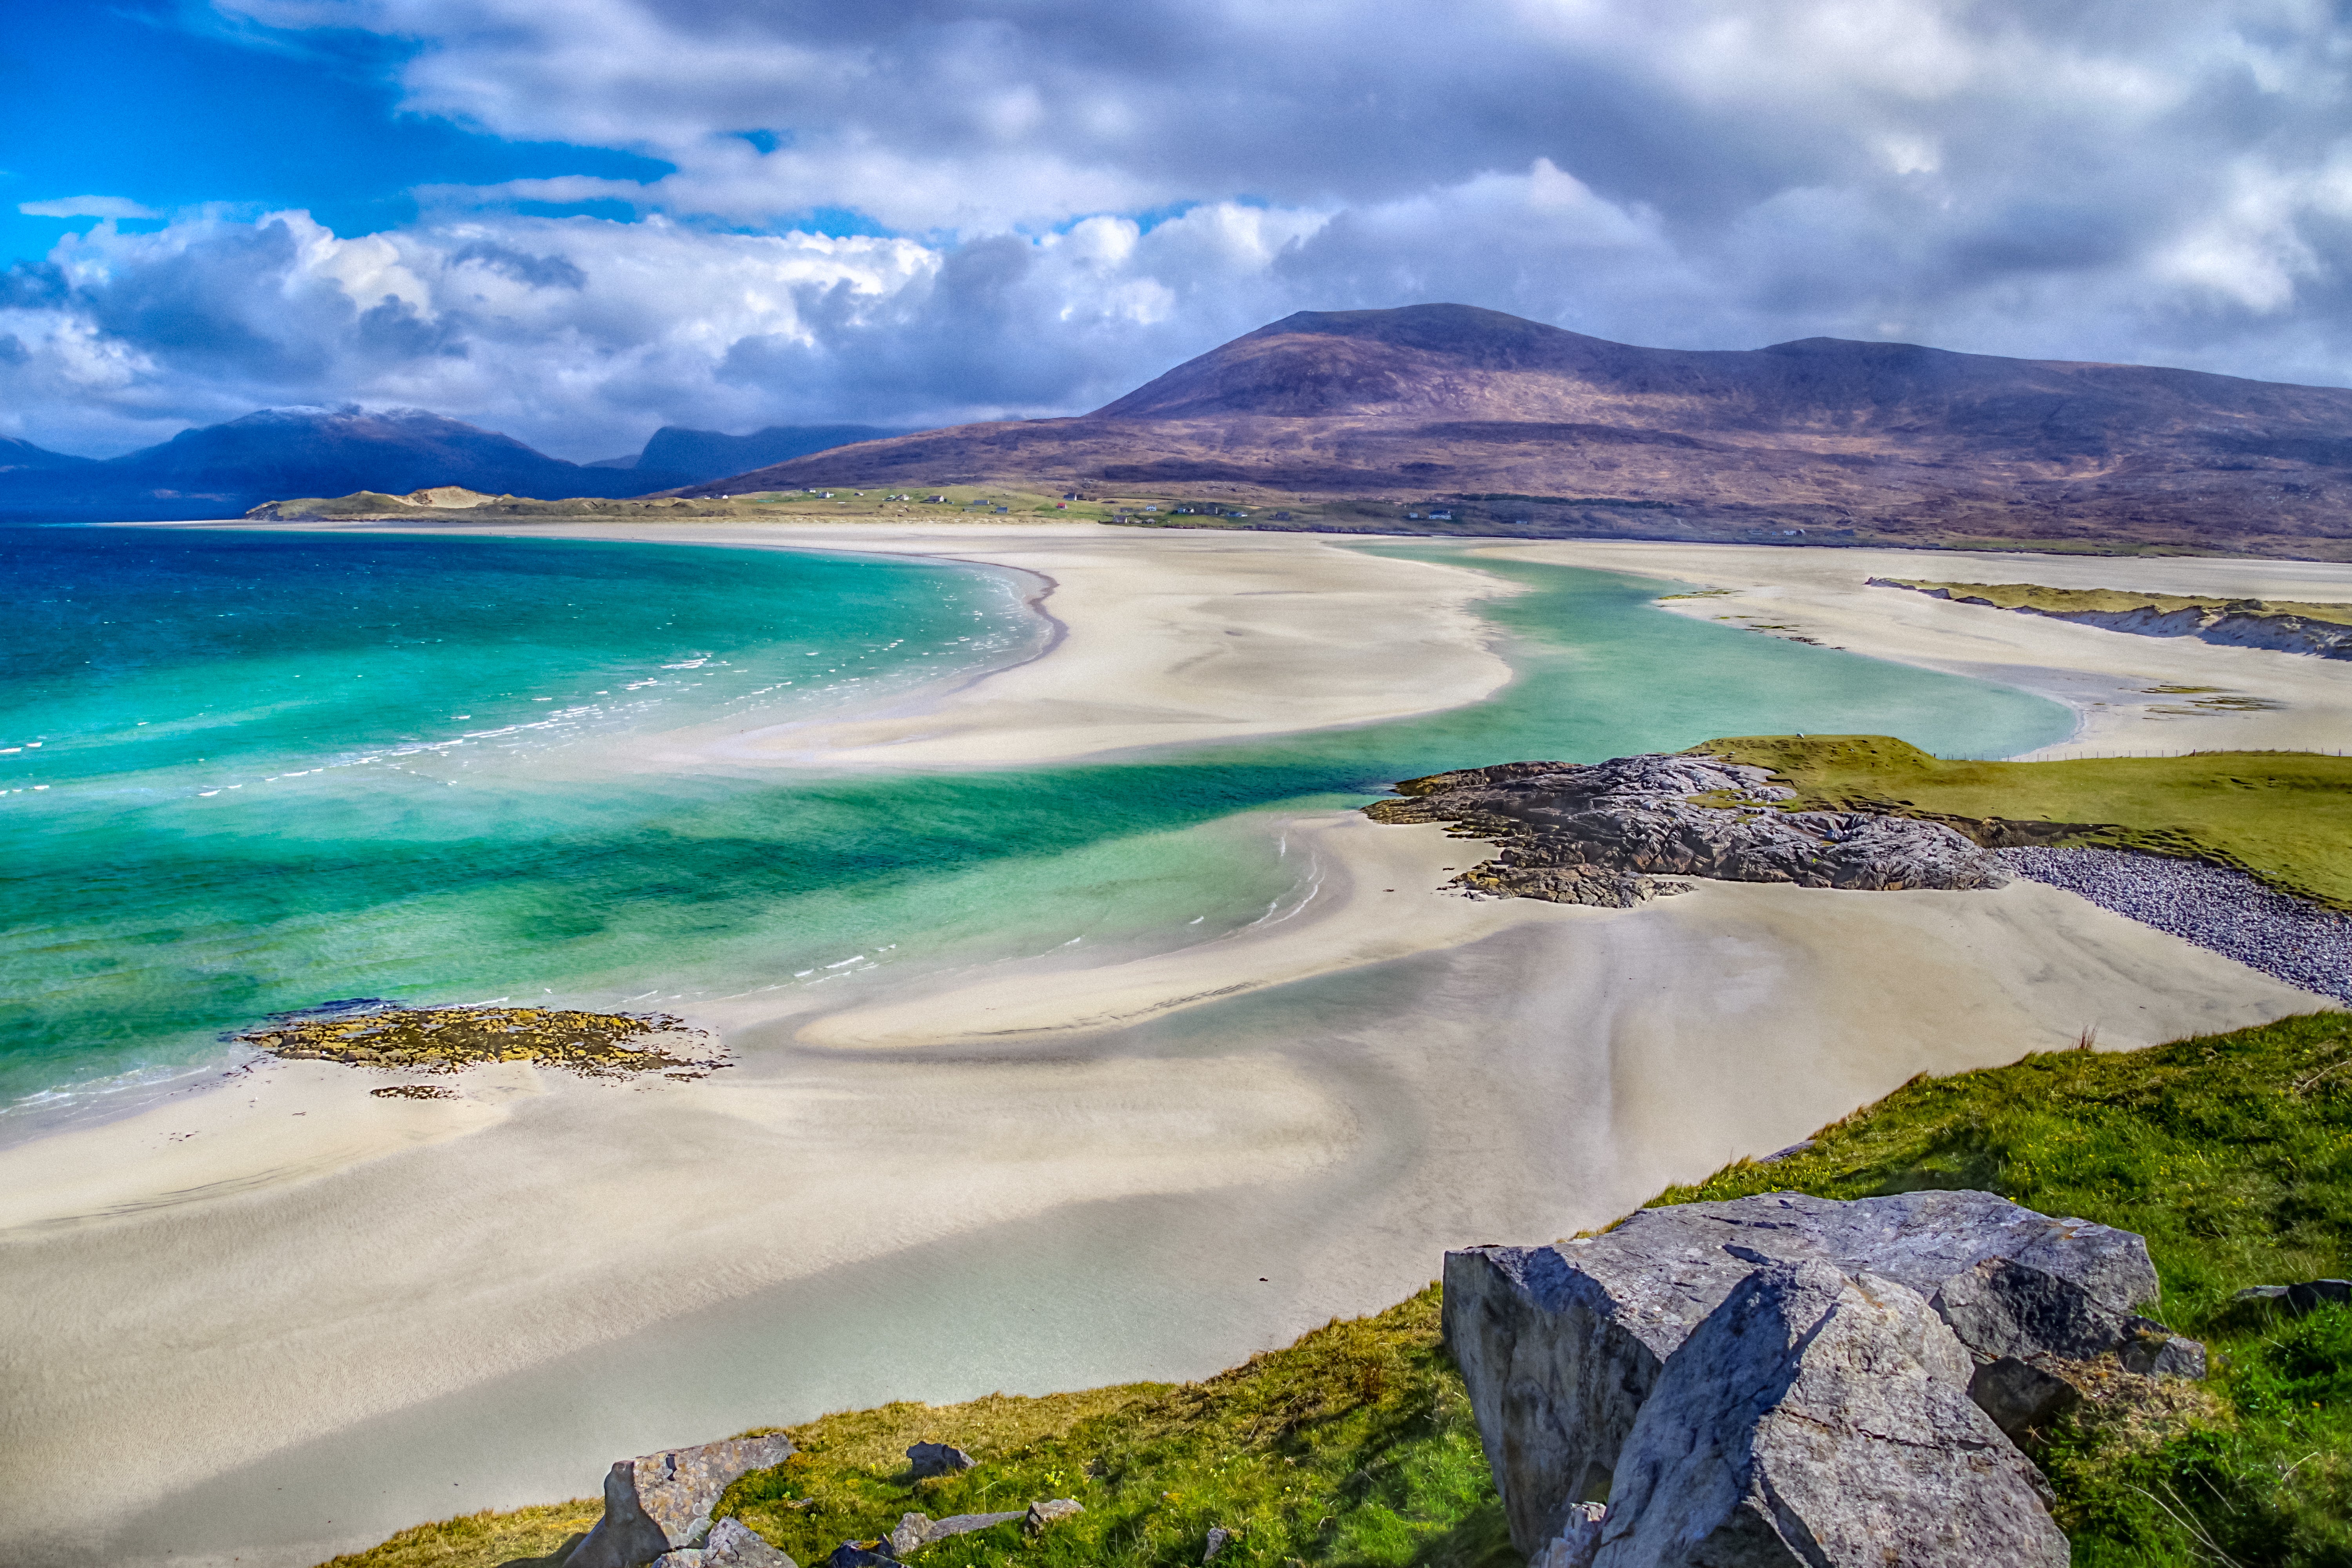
221 470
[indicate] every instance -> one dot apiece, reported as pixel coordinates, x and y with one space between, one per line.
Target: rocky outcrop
1612 832
2232 623
659 1504
1817 1420
1561 1346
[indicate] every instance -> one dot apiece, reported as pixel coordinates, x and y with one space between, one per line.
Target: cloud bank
921 211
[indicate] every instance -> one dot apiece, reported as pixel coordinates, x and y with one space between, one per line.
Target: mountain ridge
1537 429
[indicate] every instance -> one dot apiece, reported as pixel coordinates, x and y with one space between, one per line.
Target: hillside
1527 428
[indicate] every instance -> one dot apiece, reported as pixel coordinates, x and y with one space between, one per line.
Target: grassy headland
2282 817
2112 601
2233 1154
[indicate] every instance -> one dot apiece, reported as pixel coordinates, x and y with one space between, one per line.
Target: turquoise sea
251 771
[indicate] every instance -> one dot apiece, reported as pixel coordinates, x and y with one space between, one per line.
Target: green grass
2105 601
2282 817
525 1538
2233 1154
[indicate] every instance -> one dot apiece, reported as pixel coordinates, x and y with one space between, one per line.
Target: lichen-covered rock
1604 834
1815 1420
659 1503
732 1544
927 1460
1560 1345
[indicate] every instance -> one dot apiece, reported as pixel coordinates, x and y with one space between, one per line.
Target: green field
2282 817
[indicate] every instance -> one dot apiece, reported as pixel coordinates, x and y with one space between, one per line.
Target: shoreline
2106 678
1163 638
547 1273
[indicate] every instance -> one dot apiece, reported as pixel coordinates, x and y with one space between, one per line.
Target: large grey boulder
1604 834
1815 1420
1561 1345
660 1503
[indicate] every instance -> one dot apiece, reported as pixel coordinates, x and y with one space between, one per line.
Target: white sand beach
1050 1174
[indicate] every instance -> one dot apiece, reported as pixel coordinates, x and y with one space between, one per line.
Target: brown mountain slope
1527 428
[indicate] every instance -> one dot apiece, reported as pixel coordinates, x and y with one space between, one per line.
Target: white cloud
87 206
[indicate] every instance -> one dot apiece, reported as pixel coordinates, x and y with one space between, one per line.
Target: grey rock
929 1459
1815 1420
659 1503
1561 1345
2301 1298
2019 1395
731 1544
1051 1511
2163 1354
1578 1540
918 1531
857 1554
2004 1308
2237 623
1218 1536
1603 834
2314 1293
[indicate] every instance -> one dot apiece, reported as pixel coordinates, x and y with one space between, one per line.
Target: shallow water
284 769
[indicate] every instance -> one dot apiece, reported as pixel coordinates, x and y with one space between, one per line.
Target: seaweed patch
372 1032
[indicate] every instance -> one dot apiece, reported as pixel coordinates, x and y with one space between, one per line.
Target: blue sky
175 107
575 220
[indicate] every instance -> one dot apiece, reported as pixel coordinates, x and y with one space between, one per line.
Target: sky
578 220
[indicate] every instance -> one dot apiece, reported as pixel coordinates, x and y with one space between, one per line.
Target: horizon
576 225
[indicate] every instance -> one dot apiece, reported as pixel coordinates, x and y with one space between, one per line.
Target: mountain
708 455
1527 428
219 470
22 456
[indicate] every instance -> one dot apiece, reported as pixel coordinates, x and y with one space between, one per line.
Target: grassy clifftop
2233 1154
2282 817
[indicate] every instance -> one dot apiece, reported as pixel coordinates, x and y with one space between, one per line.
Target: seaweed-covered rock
661 1503
1605 834
1560 1346
1815 1420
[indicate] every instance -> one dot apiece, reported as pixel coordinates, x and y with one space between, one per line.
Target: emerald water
247 772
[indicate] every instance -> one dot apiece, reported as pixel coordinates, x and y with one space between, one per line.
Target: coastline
2105 677
1161 638
548 1273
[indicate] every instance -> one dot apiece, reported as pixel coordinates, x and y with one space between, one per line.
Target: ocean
249 772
